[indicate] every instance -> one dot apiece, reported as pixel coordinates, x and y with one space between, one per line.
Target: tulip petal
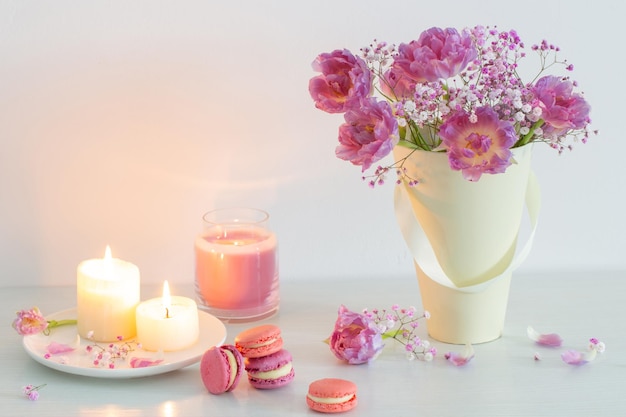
143 362
462 358
56 348
551 339
574 357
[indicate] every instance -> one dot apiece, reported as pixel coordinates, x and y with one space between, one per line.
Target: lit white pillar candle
107 295
168 323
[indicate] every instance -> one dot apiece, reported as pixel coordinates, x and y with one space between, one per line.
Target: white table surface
502 380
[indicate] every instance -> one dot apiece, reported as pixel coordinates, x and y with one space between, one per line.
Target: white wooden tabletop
502 380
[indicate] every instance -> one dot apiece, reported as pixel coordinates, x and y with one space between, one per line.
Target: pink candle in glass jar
237 265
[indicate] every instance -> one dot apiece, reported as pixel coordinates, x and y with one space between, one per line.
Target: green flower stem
391 334
406 144
57 323
528 136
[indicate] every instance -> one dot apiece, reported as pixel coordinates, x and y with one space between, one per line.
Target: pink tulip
369 133
30 322
344 81
437 54
356 338
478 147
562 110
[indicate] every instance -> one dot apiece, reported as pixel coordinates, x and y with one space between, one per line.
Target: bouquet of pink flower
448 91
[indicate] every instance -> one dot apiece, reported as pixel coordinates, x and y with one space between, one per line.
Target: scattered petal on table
462 358
551 339
574 357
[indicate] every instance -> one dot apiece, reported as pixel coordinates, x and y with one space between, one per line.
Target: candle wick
167 313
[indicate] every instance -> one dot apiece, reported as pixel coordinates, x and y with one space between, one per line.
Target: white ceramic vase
464 239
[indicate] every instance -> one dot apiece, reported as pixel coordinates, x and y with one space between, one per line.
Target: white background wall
122 122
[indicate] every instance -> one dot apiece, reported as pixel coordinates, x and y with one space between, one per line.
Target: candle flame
107 254
167 299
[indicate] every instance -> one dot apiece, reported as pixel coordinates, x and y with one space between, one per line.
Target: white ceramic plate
79 362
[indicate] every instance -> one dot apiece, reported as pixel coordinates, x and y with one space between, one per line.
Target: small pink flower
562 110
356 338
480 147
551 340
32 392
462 358
437 54
595 344
369 133
344 81
30 322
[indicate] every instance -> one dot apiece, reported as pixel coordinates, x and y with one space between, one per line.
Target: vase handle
422 250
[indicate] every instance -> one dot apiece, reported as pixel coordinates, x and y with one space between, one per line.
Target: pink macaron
331 395
272 371
221 368
259 341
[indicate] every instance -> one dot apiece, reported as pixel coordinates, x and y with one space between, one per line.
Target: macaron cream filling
331 400
274 373
233 367
258 345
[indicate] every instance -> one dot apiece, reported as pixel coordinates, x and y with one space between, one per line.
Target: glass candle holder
236 258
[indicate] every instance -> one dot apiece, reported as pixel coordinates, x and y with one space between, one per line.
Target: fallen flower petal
55 348
551 339
574 357
143 362
460 359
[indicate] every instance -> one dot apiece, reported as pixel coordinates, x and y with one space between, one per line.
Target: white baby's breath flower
409 106
443 109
